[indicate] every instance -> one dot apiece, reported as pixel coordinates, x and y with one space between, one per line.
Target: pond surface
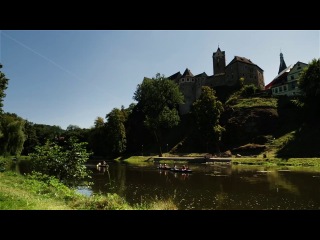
217 186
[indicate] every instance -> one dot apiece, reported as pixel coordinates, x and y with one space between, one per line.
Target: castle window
182 79
299 68
292 77
280 89
285 88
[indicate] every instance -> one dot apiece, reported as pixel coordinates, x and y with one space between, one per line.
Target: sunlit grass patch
255 102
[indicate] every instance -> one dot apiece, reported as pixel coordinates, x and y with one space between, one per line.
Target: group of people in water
165 166
102 164
184 167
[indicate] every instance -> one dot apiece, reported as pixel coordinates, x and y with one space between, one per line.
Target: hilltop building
286 82
223 75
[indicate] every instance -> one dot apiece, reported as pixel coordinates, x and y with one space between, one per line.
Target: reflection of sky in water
213 187
84 190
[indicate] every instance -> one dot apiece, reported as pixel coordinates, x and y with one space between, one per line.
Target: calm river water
213 186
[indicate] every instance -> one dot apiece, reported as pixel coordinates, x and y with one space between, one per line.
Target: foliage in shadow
305 142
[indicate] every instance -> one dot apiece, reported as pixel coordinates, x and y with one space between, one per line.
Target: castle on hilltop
223 75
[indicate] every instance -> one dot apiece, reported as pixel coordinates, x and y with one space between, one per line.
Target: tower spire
282 63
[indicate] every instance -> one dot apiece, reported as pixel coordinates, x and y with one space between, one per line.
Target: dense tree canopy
158 99
116 130
3 86
99 122
309 83
31 138
13 137
207 110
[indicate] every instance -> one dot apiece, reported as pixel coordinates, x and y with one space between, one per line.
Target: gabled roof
284 71
175 76
299 63
244 60
282 76
201 75
187 73
241 59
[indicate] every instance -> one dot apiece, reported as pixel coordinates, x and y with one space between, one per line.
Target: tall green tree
116 130
136 131
13 137
207 111
98 139
31 138
158 99
74 131
309 83
3 86
47 132
99 122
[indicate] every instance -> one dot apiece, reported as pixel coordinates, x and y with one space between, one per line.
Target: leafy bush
248 90
245 92
65 163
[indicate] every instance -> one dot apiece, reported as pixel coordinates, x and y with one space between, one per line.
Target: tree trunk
217 146
159 145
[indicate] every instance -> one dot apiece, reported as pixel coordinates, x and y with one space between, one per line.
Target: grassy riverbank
307 162
19 192
259 160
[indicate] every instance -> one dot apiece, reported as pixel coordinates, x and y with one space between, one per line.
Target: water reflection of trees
121 179
240 187
278 181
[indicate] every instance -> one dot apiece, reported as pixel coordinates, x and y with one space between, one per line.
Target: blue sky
72 77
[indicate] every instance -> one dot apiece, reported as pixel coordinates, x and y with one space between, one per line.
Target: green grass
138 160
307 162
255 102
258 160
18 192
145 160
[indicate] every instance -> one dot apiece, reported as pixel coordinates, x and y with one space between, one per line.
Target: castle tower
219 61
283 65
